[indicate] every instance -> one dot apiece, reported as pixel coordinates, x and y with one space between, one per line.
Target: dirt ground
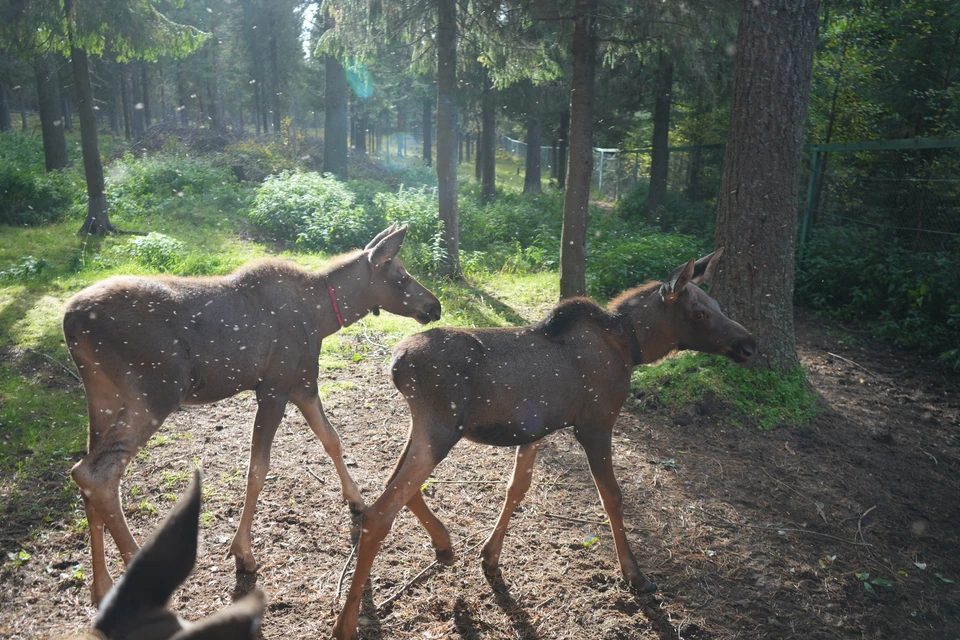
749 534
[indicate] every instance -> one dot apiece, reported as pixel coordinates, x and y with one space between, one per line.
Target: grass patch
765 399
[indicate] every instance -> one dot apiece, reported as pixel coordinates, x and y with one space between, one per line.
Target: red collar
336 309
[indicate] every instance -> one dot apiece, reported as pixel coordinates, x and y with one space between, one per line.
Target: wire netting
909 195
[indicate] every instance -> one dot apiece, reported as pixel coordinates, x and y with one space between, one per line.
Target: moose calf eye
699 315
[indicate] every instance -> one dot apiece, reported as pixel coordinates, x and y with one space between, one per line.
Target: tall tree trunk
215 99
274 74
51 120
488 142
136 104
335 119
573 237
531 181
116 113
360 143
182 96
447 134
563 138
98 221
6 122
757 215
427 126
23 112
660 157
145 94
478 162
125 101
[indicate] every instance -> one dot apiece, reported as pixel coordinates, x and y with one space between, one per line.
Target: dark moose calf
146 346
513 386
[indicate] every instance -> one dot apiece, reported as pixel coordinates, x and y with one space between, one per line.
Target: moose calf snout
430 314
745 349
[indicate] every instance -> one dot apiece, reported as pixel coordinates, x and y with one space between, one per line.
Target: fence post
811 195
600 188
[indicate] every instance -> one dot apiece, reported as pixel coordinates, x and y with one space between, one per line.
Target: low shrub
28 194
29 267
154 251
678 215
317 212
626 257
911 298
139 186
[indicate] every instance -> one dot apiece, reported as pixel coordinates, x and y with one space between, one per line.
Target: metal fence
907 189
903 189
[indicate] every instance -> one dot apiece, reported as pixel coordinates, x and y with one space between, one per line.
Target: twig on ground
596 522
319 479
856 364
343 572
790 529
932 457
409 583
860 521
56 362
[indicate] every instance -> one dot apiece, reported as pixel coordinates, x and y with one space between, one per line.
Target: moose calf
513 386
146 346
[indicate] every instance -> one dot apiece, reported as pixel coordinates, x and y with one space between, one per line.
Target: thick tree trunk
335 119
51 119
6 122
757 215
447 134
427 123
660 157
563 138
532 178
573 238
98 221
488 142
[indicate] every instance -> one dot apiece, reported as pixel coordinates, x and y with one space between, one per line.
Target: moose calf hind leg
516 490
312 412
439 535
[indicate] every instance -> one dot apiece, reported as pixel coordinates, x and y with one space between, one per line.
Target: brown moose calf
513 386
146 346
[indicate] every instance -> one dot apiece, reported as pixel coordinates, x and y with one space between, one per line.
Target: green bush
625 257
318 212
154 251
28 194
912 298
147 185
679 214
29 267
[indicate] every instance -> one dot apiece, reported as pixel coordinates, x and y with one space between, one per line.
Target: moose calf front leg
312 412
269 414
596 443
516 490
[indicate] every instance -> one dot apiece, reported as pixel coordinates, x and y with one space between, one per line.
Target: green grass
765 399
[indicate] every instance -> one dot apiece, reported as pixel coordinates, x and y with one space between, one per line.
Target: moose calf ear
388 247
239 621
380 236
673 286
705 266
164 562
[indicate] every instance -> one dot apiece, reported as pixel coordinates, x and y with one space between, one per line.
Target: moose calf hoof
642 584
246 565
491 570
445 556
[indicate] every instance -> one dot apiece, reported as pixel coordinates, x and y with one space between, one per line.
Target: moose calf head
392 286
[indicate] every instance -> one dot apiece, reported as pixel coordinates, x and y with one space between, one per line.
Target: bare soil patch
748 534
